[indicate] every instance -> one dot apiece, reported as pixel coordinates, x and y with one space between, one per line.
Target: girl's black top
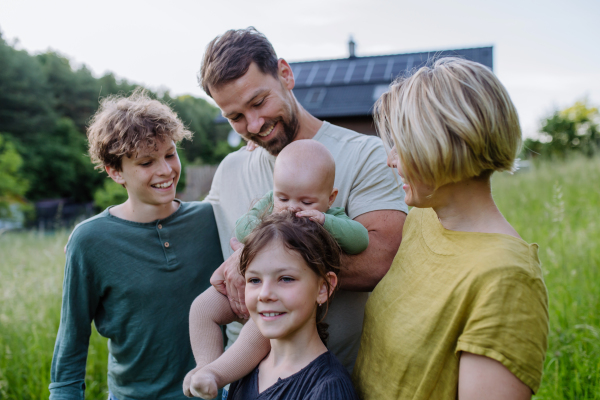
323 379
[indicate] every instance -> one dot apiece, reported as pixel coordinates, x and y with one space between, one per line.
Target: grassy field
556 205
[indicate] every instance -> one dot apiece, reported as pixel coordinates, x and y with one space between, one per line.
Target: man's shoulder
334 133
243 156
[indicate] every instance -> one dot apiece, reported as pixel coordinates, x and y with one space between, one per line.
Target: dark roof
350 86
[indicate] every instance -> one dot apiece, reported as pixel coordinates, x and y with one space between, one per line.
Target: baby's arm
351 235
247 222
215 369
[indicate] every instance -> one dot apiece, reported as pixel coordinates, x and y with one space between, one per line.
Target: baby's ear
333 196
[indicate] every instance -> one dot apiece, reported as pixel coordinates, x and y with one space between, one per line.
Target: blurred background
58 59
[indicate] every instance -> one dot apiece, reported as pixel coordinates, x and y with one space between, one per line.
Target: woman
463 310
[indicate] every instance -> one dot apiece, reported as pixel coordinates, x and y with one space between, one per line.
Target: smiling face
417 194
151 175
260 107
282 293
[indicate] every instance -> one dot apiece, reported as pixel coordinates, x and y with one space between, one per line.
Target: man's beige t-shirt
365 184
449 292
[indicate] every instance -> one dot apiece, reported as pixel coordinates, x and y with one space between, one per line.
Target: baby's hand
313 215
204 385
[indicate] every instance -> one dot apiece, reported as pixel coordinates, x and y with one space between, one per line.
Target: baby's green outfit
351 235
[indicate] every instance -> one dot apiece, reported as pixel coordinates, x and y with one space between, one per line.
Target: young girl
290 266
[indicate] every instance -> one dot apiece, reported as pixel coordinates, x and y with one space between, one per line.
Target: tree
198 115
12 184
575 129
58 167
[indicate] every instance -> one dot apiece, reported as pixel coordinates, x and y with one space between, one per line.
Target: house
343 91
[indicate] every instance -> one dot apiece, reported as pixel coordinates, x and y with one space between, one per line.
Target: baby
303 182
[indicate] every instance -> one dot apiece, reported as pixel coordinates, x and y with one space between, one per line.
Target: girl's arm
214 368
481 377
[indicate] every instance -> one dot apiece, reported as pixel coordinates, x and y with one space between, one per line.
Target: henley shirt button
166 244
160 227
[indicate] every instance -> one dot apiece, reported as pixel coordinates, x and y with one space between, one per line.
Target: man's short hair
124 125
450 121
228 57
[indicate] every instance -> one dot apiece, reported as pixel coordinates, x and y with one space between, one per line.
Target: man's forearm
362 272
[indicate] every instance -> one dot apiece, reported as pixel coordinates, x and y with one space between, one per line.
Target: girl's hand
313 215
204 385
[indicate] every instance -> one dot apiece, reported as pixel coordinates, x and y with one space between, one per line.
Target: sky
547 53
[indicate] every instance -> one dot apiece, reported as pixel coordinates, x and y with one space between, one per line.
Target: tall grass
31 271
556 205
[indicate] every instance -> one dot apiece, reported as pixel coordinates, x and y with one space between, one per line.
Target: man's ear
333 196
115 175
286 76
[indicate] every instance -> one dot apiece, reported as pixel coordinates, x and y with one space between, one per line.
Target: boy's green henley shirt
136 282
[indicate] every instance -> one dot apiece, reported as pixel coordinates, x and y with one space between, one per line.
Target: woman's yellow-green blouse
448 292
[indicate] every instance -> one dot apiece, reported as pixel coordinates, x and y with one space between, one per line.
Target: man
253 88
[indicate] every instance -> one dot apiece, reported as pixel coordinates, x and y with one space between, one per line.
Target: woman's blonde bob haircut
449 122
124 125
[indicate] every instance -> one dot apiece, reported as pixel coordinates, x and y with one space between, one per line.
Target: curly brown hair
124 125
309 239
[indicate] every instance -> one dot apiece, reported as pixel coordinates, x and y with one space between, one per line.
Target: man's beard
289 132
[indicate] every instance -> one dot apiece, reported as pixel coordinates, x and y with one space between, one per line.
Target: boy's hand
313 215
228 281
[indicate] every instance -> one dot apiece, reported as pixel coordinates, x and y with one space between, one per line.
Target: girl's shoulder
330 380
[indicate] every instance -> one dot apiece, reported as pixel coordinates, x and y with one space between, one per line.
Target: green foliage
12 184
45 105
555 205
207 146
573 130
110 194
32 270
57 165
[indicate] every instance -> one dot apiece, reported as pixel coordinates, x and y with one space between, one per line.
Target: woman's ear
115 175
323 294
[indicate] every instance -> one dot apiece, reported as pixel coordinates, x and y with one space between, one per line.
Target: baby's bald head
306 159
305 169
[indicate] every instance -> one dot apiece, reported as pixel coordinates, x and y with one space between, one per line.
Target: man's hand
228 280
313 215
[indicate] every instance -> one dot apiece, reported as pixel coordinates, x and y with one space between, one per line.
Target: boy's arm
79 302
247 222
351 235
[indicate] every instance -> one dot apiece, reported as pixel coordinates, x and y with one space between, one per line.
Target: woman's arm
481 377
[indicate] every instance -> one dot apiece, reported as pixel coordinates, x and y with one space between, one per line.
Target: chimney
351 47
